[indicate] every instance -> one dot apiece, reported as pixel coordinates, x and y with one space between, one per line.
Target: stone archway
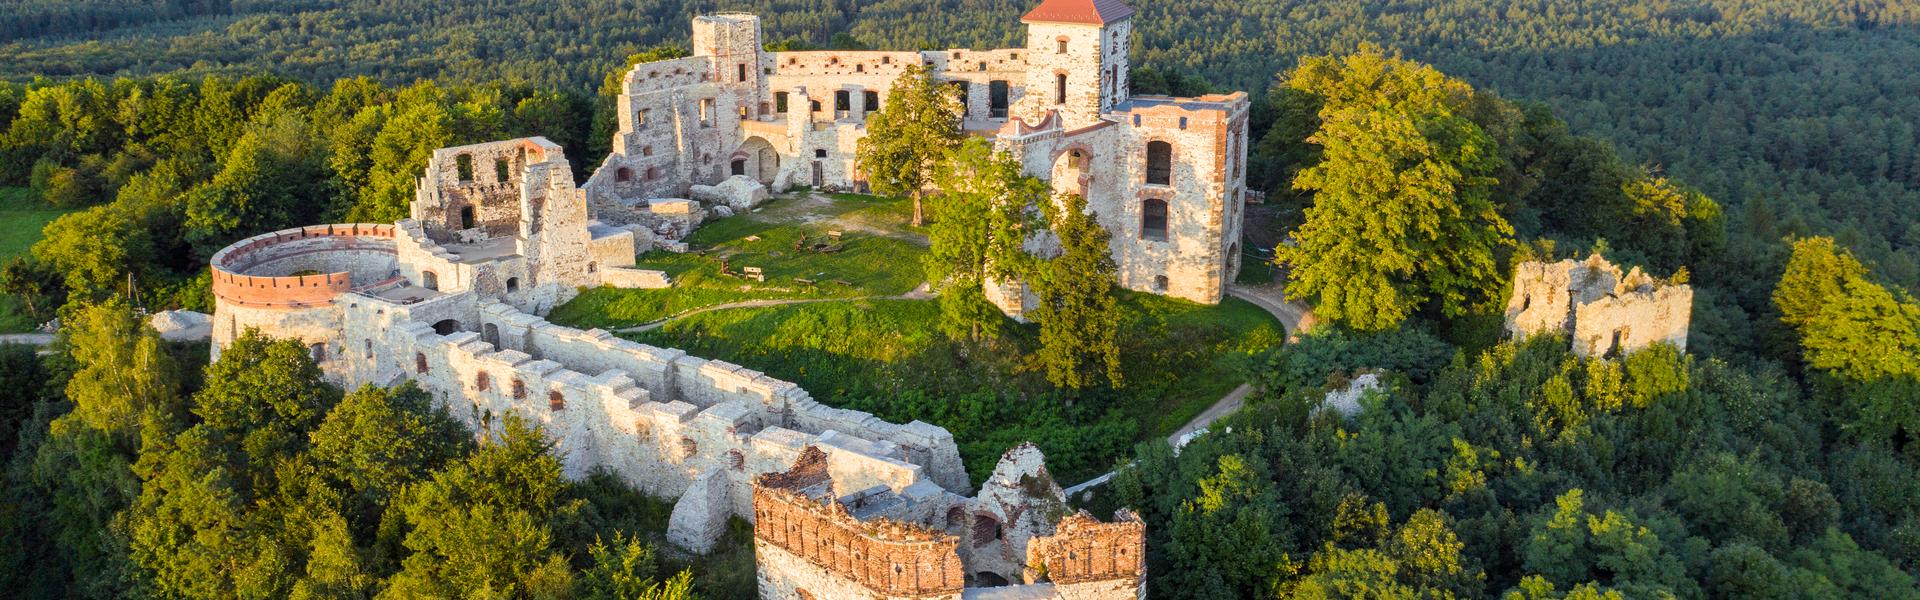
1071 171
756 158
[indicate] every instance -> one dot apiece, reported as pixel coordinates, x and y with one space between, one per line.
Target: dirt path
1294 316
35 339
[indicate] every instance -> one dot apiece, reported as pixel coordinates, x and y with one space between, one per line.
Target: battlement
303 267
1084 549
668 74
884 556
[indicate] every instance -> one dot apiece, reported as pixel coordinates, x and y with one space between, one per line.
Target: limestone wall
1600 309
475 188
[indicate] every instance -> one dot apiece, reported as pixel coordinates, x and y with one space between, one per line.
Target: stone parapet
346 255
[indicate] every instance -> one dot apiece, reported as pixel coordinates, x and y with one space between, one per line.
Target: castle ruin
1165 176
1603 312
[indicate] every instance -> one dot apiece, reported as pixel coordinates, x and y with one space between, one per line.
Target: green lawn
874 258
888 357
22 216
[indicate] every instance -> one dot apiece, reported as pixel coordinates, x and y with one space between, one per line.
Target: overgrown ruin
1602 311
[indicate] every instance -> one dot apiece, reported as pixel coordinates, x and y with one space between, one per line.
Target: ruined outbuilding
1602 311
817 537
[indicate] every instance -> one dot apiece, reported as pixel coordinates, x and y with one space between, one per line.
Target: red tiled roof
1091 12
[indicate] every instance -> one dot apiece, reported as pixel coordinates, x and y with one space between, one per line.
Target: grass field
888 357
874 257
22 216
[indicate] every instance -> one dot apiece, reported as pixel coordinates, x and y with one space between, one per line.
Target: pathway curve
35 339
1294 316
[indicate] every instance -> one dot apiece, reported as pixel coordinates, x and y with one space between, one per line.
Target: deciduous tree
1402 212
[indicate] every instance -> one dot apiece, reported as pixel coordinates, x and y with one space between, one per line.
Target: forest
1762 152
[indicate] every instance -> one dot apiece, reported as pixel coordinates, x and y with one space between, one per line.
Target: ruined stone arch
1072 169
756 158
446 327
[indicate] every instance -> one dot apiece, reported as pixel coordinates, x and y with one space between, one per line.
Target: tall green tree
914 129
983 215
1078 312
125 389
1402 211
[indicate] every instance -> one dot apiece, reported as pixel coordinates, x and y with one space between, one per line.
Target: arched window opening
519 389
1159 163
555 401
1159 283
956 517
623 174
986 530
318 352
1060 88
429 280
1060 45
738 167
446 327
463 167
1153 220
513 284
482 381
736 460
420 363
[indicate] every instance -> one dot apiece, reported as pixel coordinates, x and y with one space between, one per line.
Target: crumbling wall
803 544
473 191
1086 558
1600 309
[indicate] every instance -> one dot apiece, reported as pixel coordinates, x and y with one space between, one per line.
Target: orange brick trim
233 287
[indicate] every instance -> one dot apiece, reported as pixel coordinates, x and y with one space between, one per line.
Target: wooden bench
803 281
754 273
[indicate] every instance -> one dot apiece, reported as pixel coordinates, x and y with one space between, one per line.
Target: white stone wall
1598 307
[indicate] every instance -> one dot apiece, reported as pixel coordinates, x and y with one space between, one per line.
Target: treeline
1798 116
133 472
30 18
169 171
1779 463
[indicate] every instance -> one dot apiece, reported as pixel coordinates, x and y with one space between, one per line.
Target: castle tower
732 41
1076 59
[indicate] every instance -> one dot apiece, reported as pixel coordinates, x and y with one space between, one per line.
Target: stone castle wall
796 118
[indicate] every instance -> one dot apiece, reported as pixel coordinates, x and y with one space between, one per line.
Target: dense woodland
1762 152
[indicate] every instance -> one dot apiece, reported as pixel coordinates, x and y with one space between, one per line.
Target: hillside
1801 117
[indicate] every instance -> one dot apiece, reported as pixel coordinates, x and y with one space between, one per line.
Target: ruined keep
1601 310
1166 176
